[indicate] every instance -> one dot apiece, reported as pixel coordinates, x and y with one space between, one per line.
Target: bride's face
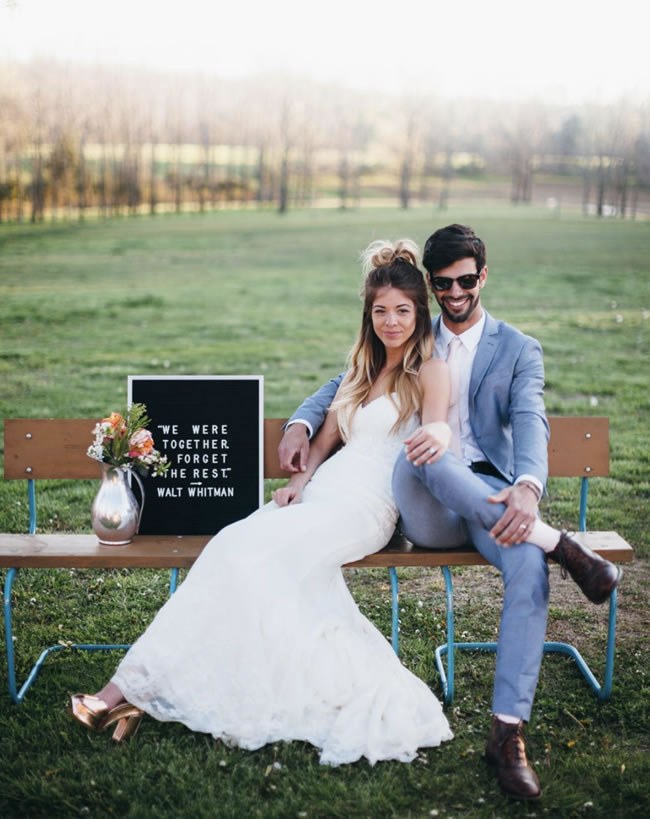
393 317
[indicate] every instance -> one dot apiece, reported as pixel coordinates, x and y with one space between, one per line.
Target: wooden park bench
37 449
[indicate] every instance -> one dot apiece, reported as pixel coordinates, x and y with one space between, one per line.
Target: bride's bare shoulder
432 370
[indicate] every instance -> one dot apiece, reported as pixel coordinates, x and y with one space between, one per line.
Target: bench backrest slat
579 446
49 448
56 448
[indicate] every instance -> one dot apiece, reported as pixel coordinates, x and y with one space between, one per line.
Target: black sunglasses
467 282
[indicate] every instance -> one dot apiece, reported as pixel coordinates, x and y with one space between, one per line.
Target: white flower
96 451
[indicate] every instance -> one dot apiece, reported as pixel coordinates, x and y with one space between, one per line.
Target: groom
488 490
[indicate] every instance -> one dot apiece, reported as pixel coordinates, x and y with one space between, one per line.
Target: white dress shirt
463 362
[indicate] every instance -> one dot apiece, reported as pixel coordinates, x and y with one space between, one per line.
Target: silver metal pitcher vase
115 513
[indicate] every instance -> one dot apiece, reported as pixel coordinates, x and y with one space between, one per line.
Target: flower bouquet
123 446
125 442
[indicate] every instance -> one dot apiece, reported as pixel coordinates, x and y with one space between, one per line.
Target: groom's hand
293 449
515 524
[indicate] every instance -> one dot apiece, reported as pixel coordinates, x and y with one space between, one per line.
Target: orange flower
114 425
140 444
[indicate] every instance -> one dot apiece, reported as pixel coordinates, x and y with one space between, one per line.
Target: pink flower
140 444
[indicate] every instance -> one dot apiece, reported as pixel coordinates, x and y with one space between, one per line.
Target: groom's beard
455 316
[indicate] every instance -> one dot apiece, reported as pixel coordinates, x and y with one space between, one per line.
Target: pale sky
568 51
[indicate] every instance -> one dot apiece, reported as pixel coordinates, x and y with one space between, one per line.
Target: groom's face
459 296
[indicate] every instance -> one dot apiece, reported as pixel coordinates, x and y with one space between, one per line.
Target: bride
263 640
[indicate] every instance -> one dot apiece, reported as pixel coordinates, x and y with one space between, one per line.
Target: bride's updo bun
382 252
387 264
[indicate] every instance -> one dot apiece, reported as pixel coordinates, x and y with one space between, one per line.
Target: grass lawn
83 306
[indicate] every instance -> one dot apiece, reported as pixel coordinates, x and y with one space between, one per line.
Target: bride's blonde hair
385 264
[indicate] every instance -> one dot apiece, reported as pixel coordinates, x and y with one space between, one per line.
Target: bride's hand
428 443
287 494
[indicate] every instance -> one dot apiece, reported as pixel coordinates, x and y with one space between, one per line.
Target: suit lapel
485 352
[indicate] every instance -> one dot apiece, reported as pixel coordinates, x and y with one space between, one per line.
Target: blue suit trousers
445 504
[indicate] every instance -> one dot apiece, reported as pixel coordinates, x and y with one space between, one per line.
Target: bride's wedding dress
263 640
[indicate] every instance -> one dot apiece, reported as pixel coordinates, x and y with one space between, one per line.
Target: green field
83 306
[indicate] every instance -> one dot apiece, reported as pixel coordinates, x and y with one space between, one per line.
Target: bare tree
641 159
344 135
409 142
630 128
524 132
38 179
308 144
60 165
604 145
262 140
285 140
13 146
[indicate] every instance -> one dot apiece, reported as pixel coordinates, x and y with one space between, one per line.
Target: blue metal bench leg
447 677
18 694
9 634
602 690
394 593
608 679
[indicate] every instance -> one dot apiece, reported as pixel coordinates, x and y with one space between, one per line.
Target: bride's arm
431 440
327 438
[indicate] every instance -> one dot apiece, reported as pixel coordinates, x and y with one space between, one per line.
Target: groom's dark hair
451 244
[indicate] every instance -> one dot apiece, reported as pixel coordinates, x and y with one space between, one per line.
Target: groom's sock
544 536
508 718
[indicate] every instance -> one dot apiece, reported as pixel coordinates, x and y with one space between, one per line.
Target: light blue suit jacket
506 401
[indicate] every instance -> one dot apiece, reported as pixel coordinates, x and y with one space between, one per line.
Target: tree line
76 140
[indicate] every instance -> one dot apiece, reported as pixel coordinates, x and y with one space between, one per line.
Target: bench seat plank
401 554
50 551
70 551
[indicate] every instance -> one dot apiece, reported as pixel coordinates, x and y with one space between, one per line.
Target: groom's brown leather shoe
506 750
596 577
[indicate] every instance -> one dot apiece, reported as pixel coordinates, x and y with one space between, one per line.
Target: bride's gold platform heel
93 712
88 710
128 718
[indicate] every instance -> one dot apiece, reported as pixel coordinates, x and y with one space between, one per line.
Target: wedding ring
432 451
523 526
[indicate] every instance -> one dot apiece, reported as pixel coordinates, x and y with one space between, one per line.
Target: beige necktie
454 364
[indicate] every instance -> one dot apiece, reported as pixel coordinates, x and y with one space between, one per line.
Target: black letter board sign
210 428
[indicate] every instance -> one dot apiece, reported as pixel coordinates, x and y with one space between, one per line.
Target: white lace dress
263 640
